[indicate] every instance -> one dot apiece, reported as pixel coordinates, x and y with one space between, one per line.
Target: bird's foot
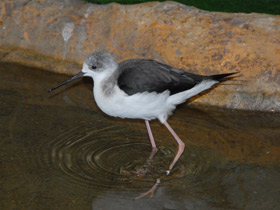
151 191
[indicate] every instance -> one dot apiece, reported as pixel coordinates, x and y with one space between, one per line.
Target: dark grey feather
141 75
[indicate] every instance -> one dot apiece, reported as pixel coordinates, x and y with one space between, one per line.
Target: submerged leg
154 147
142 171
180 149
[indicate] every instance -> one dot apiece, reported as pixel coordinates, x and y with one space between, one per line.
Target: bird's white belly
145 105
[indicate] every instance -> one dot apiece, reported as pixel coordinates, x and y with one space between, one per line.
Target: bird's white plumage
146 105
181 97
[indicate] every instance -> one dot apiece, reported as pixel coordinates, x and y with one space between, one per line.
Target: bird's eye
93 67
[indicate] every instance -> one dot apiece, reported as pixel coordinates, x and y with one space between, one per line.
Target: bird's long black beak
80 74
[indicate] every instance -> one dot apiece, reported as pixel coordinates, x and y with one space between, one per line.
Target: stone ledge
58 35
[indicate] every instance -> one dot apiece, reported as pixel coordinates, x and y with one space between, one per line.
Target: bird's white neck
105 81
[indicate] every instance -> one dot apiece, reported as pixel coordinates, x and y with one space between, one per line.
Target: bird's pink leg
180 149
148 163
153 143
144 169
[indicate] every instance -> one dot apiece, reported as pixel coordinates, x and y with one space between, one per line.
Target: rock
58 35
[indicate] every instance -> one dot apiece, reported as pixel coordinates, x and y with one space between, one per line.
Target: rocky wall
58 35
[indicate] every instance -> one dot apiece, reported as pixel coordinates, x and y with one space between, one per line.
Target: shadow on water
59 151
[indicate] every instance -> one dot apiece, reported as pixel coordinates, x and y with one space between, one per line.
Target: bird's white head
97 66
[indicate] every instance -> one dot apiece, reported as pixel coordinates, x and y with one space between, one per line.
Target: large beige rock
58 35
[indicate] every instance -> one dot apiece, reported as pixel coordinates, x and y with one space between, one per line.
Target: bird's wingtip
220 77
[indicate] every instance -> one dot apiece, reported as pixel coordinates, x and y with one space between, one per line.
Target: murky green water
59 151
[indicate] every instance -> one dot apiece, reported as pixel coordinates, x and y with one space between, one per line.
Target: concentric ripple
106 156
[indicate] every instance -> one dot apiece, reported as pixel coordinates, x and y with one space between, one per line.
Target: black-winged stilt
142 89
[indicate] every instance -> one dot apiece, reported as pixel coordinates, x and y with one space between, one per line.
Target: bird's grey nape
99 61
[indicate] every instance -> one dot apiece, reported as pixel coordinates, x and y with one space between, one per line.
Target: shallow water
59 151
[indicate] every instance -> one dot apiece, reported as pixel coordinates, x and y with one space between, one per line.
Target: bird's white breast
139 106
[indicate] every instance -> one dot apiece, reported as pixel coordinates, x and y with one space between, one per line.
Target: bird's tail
220 77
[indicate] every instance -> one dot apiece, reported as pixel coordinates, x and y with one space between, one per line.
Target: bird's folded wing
142 75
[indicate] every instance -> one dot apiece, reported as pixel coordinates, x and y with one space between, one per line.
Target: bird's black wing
141 75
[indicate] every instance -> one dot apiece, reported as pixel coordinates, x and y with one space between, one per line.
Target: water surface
60 151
